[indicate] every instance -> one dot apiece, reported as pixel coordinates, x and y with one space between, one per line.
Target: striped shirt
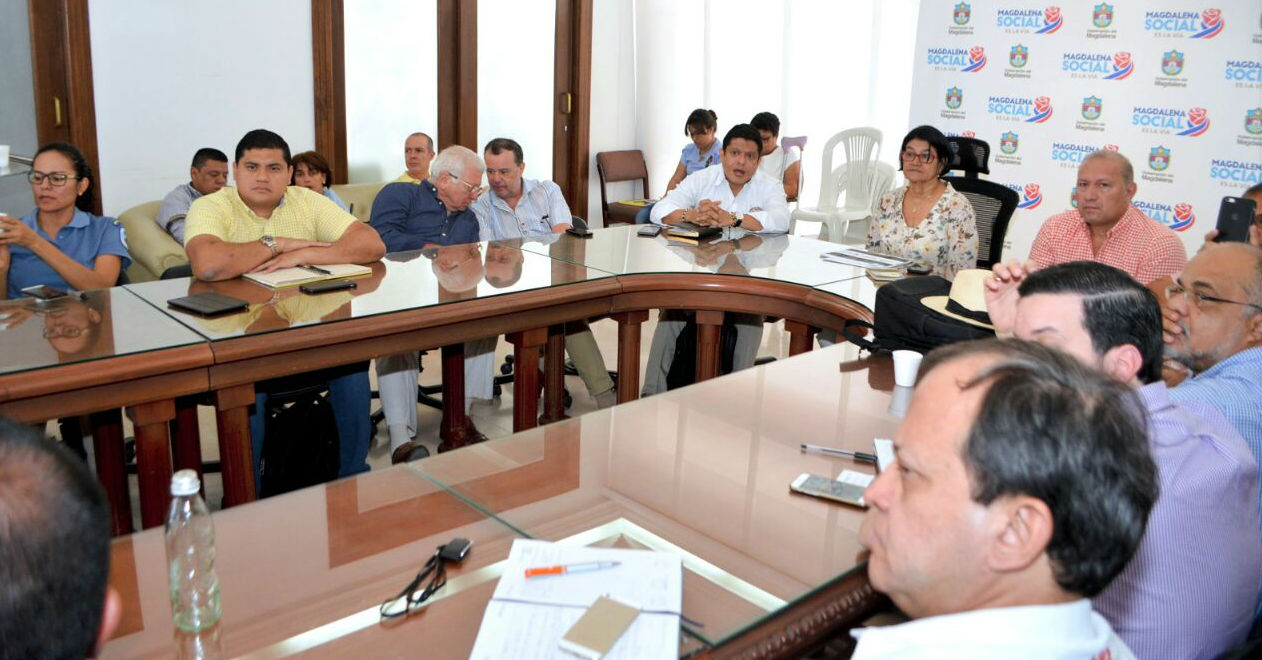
1190 589
541 207
1137 244
1234 387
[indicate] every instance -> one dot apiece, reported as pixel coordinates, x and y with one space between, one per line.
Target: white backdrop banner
1174 86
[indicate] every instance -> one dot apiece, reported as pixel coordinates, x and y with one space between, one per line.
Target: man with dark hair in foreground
1207 516
1021 487
55 601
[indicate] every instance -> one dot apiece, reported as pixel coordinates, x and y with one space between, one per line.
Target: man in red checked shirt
1107 228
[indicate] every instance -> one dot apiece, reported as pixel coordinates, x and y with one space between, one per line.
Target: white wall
171 77
391 83
613 116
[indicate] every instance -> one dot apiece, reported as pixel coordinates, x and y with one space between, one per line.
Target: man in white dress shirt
1021 486
731 194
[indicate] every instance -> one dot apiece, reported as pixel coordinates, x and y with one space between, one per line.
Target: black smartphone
919 269
327 286
581 233
649 231
44 292
1235 214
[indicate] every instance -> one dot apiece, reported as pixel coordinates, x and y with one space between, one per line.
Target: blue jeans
642 217
350 396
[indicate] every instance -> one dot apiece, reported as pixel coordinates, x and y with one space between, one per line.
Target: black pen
856 455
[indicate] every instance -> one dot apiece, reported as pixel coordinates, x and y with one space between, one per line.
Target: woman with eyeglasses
926 220
312 171
60 243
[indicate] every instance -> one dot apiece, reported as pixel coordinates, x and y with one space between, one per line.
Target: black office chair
993 204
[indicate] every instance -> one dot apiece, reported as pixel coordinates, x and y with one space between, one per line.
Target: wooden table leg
111 467
801 336
153 458
554 376
526 345
186 439
629 353
709 327
456 429
236 458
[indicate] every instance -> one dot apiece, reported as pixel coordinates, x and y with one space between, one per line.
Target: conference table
702 472
148 358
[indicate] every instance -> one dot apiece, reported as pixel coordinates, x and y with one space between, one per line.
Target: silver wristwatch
269 243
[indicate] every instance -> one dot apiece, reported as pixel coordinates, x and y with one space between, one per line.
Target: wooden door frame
458 86
61 68
572 78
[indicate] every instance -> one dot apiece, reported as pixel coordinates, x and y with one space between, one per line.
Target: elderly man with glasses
411 216
1213 327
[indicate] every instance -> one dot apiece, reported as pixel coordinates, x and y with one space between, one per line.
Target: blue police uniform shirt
84 239
409 216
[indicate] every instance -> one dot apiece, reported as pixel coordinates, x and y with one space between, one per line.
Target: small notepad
595 633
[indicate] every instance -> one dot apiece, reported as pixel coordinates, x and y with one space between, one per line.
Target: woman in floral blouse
926 220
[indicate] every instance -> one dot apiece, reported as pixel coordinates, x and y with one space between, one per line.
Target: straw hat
967 300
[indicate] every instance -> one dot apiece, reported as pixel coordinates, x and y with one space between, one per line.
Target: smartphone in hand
1235 214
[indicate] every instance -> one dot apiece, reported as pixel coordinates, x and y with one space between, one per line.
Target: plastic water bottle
190 537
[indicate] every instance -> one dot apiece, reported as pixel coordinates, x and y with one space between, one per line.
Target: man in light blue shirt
519 208
1213 326
207 174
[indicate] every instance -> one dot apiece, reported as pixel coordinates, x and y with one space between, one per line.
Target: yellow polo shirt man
301 214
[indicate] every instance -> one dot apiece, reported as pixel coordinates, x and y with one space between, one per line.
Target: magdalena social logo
1098 65
1234 173
971 60
1030 20
1020 108
1070 154
1245 73
1102 15
1171 121
1178 217
1205 25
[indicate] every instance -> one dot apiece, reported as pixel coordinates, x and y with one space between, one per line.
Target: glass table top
736 252
401 281
93 325
691 473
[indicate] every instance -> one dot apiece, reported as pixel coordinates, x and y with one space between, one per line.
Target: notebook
286 277
689 230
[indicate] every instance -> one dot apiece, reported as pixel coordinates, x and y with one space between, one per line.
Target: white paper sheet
526 618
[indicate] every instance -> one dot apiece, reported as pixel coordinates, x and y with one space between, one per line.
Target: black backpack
902 322
300 444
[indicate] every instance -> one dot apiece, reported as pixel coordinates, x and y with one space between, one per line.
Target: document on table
853 256
527 618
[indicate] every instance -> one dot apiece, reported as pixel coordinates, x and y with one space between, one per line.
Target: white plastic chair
875 182
862 146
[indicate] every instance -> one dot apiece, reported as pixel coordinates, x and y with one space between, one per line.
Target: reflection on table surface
702 471
82 327
402 281
739 252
